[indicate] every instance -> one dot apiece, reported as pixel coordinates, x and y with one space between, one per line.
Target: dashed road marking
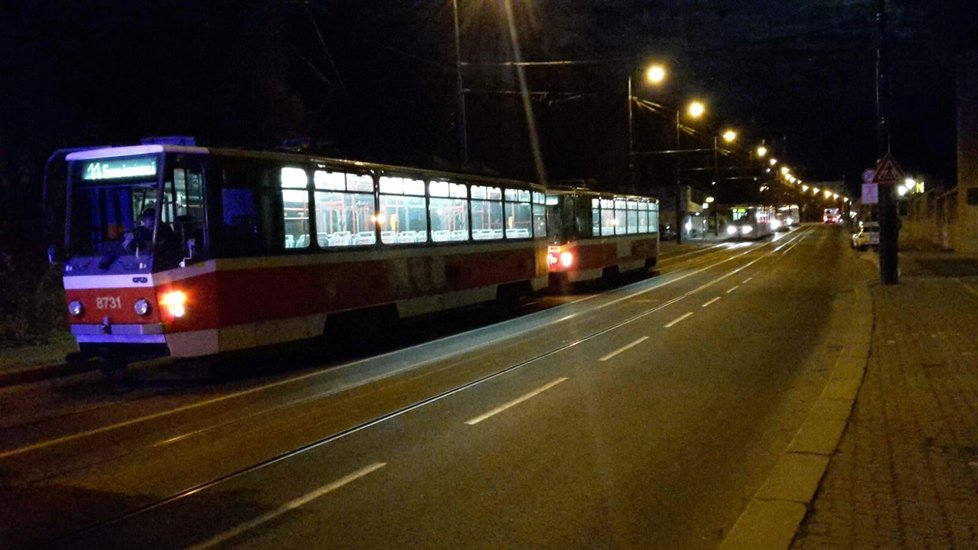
624 348
288 506
514 402
678 319
711 302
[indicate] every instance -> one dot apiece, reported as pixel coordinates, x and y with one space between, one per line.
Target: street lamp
694 110
761 151
728 136
654 74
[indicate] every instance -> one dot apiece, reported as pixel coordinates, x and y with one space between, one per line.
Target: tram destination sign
112 169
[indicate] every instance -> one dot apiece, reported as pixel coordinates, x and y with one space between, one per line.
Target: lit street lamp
655 74
694 110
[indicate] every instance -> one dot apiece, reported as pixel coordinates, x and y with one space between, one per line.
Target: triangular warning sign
888 171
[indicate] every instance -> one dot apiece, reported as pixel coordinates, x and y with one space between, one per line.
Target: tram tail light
566 259
174 302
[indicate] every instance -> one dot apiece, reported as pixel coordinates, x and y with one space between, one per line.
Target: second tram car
787 216
240 249
751 222
597 234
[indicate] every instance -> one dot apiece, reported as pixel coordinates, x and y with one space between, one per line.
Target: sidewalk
905 473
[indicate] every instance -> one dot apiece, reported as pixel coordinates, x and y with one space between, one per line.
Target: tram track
7 453
213 483
674 276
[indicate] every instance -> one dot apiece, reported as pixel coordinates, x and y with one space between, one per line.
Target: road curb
776 511
44 372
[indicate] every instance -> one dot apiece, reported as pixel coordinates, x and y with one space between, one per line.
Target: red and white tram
597 234
248 248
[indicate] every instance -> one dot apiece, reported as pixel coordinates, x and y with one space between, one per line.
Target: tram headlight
142 307
746 229
174 302
75 308
566 259
731 230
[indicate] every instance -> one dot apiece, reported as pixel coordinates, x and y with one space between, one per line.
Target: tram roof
135 150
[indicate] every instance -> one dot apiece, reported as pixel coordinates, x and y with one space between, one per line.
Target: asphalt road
645 415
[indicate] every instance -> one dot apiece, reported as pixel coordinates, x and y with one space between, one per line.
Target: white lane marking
678 319
711 302
624 348
514 402
288 506
747 280
735 287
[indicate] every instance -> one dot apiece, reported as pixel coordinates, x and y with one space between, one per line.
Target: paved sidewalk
905 474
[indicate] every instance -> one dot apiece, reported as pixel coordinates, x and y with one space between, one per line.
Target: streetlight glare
729 136
761 151
785 170
656 74
773 161
696 109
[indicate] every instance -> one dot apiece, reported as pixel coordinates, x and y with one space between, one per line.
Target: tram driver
141 237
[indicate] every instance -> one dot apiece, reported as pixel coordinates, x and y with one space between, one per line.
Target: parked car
868 235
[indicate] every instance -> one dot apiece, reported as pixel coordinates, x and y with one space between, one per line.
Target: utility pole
679 186
889 232
463 138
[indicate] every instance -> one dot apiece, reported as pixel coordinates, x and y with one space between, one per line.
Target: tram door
183 206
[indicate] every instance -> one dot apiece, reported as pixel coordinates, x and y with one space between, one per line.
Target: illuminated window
448 210
402 211
487 212
344 217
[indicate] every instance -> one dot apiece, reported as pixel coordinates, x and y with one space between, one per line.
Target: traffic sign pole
887 174
889 237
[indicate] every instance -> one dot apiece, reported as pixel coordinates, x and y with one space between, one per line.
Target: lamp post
654 74
463 140
695 109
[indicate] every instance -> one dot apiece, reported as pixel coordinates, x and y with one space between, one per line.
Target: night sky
375 79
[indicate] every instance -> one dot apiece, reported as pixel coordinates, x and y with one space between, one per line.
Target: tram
597 234
244 248
751 222
786 217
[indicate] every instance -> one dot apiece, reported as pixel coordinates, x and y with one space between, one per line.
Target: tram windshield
107 198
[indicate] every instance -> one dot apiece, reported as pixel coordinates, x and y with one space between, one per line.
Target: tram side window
248 209
295 207
519 214
620 217
643 217
608 220
344 209
632 217
403 218
595 217
487 212
448 210
654 217
539 215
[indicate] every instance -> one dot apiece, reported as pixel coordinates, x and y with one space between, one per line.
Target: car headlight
142 307
75 308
